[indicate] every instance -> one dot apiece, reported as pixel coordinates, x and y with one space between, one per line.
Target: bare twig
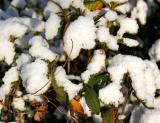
57 5
59 109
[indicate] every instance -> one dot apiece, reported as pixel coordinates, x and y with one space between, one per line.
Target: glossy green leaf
92 100
96 80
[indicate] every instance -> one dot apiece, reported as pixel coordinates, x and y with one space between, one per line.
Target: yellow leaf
94 5
76 107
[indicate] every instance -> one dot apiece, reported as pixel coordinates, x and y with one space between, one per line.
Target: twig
57 5
59 109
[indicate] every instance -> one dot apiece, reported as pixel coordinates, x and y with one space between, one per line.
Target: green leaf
96 80
89 1
107 117
61 95
92 100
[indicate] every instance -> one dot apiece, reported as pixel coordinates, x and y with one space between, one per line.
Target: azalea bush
82 61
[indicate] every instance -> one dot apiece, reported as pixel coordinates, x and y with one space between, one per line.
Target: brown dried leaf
40 112
19 117
35 104
38 116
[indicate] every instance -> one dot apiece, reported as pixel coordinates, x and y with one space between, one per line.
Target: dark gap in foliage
158 63
3 68
135 51
78 65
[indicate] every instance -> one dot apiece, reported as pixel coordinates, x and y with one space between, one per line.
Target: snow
65 3
96 65
1 107
51 8
124 8
23 41
121 117
23 59
11 75
130 42
73 77
103 35
29 12
151 116
143 74
101 22
117 1
18 3
137 114
3 14
28 56
18 103
79 35
12 12
91 14
111 15
127 25
30 98
78 4
97 118
11 27
140 11
158 81
128 109
4 90
112 42
63 81
33 24
18 93
86 109
20 25
154 51
40 49
157 103
111 94
8 56
34 76
52 25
